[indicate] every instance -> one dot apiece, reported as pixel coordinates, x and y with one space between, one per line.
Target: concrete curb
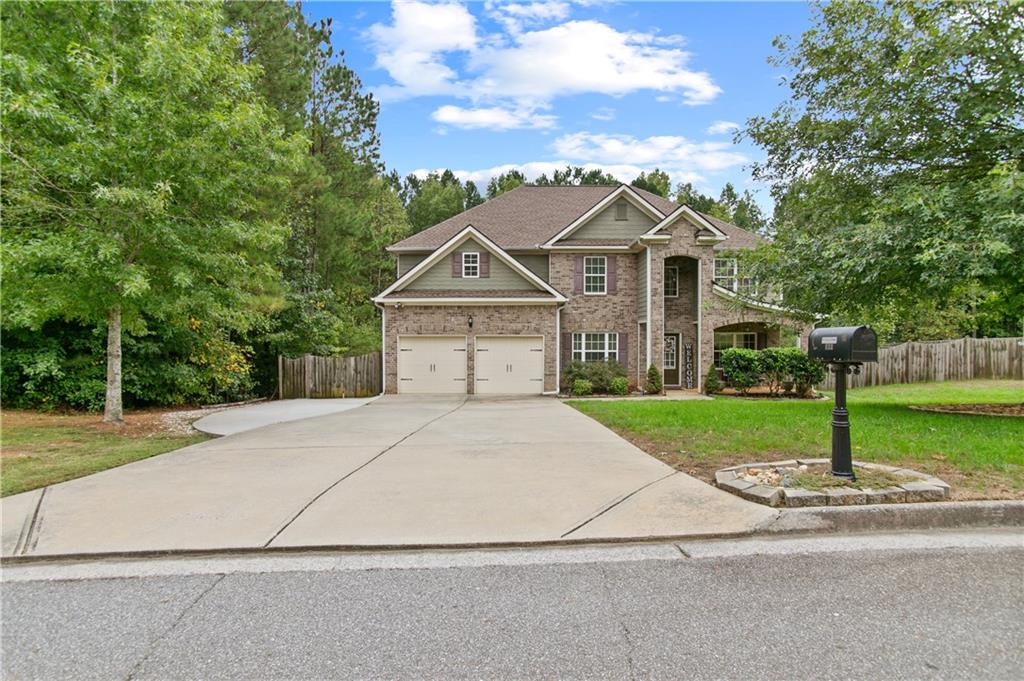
791 521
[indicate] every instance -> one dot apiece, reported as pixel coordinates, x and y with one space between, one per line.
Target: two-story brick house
499 298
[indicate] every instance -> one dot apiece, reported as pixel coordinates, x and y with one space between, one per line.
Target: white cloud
588 57
666 151
722 127
493 118
410 49
524 69
604 114
515 15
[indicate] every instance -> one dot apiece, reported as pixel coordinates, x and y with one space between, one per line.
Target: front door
671 359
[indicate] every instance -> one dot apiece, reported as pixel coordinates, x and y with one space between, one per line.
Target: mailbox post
844 348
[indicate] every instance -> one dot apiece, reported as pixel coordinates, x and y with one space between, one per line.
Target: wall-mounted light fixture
471 321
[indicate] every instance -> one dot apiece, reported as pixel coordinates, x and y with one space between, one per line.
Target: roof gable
469 234
621 193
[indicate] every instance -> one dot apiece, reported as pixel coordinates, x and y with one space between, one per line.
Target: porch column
657 312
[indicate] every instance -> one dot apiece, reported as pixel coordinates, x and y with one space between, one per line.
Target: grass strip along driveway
40 449
982 457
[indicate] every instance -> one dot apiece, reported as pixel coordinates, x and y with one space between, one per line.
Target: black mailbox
844 344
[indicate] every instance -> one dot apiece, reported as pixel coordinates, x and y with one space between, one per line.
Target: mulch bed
976 409
762 392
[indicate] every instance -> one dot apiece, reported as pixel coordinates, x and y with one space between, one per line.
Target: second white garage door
509 365
432 364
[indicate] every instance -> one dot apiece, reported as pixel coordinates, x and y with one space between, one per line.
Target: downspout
383 348
649 320
700 325
558 350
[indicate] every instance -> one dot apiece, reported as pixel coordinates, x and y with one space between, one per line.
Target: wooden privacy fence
959 359
312 376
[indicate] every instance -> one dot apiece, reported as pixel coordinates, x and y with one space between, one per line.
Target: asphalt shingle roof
527 216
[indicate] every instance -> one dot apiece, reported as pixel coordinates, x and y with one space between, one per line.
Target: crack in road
177 620
359 468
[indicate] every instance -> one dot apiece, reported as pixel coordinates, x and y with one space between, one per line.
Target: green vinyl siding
641 286
605 226
439 276
406 261
536 263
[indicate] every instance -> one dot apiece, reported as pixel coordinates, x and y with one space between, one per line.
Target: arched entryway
680 353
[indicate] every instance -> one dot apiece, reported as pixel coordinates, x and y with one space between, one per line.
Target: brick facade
607 313
715 310
453 320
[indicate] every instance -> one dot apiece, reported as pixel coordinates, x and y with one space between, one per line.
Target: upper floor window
725 272
727 275
595 274
470 265
621 211
671 281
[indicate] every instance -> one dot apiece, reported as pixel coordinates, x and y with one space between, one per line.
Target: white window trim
728 281
675 268
735 335
579 346
603 276
476 265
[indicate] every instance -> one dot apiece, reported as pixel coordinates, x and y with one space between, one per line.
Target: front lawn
982 457
38 449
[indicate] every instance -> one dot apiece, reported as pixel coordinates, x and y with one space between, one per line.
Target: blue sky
485 86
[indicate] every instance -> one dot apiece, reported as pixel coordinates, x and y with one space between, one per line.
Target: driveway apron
401 470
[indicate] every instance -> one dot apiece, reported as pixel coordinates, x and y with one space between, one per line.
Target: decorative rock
912 474
886 495
878 467
771 483
845 496
941 484
738 485
921 491
766 495
796 497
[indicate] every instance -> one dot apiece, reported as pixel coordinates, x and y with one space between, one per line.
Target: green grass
981 456
44 449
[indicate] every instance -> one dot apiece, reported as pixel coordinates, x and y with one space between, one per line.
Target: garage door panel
432 364
509 365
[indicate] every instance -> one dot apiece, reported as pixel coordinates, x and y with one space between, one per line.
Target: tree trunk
112 412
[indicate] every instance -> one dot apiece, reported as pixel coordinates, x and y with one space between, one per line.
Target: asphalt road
890 607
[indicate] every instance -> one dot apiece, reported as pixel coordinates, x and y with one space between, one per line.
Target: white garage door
509 365
432 364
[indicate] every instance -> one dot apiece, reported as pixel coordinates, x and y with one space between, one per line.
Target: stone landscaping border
922 487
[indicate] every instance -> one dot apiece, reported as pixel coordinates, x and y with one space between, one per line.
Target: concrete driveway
397 471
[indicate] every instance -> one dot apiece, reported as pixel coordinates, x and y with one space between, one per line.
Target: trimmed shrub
778 365
582 386
742 368
619 386
806 372
654 380
711 383
599 374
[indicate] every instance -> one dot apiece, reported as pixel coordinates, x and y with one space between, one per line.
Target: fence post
280 377
307 375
